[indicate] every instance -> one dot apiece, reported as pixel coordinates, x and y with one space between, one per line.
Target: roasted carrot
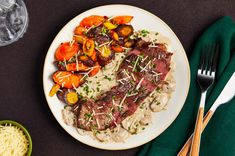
121 19
117 48
114 35
109 25
94 56
79 38
93 20
66 79
66 50
88 47
79 30
71 97
95 70
76 67
54 90
83 58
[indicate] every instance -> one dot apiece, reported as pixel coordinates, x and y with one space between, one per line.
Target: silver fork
205 78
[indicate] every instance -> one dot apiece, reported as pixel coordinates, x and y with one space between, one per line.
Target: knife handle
185 150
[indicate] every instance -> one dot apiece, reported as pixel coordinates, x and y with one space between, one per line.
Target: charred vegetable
68 96
93 32
71 97
109 25
105 55
87 60
114 35
124 30
129 43
54 90
121 19
102 39
94 70
79 30
88 47
93 20
76 67
117 48
79 38
66 50
67 79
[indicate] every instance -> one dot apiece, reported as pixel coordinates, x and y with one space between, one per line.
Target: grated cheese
12 141
138 85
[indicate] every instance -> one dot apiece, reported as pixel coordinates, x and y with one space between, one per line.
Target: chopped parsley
86 89
104 31
144 33
108 78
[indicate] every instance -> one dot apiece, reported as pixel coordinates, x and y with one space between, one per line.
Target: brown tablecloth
21 64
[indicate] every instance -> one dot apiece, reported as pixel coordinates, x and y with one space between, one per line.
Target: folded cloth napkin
218 139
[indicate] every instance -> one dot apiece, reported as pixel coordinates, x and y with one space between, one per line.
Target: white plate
142 20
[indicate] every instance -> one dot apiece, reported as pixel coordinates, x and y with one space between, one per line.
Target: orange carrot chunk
79 30
121 19
66 50
88 47
95 70
76 67
67 79
117 48
93 20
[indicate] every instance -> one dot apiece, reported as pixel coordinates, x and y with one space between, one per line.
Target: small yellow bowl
26 133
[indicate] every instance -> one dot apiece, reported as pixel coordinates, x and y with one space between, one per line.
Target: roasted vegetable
66 50
93 32
121 19
93 20
114 35
94 56
54 90
117 48
87 60
79 38
124 30
71 97
76 67
129 43
66 79
68 96
105 55
94 70
109 25
88 47
79 30
102 39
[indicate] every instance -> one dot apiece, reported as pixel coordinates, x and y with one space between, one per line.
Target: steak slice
138 75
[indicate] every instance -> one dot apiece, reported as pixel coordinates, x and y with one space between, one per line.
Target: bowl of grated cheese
14 139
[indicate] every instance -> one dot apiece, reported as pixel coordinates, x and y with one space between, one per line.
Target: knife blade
226 95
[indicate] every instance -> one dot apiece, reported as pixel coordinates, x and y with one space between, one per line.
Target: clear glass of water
13 21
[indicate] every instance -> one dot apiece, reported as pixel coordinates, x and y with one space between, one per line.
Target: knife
225 96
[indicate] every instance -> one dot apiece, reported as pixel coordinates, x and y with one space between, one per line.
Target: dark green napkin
218 138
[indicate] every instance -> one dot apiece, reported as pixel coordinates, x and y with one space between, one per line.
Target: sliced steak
138 75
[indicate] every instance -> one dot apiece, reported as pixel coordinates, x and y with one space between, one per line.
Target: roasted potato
124 30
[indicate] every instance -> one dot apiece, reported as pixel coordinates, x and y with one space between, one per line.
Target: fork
205 78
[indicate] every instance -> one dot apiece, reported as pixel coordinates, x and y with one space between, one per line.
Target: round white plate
142 20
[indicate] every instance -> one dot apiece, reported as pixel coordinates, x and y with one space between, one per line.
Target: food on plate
13 141
112 78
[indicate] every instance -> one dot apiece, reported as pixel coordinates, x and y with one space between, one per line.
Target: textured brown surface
21 94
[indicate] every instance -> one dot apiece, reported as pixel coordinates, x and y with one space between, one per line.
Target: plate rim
167 27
